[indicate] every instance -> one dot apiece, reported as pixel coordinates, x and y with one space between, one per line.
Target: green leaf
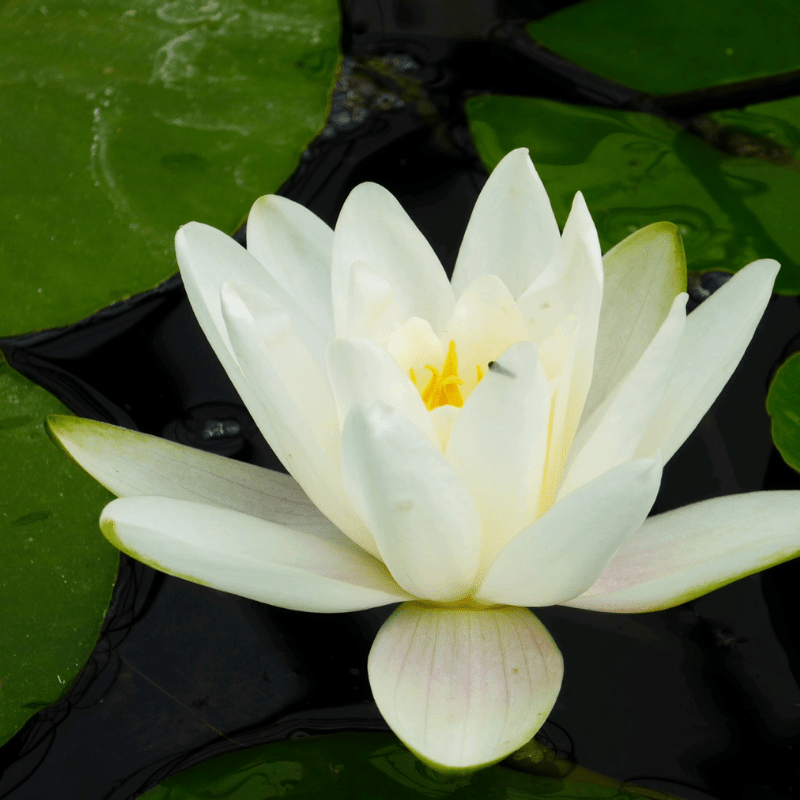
360 765
733 197
140 118
783 407
56 569
666 46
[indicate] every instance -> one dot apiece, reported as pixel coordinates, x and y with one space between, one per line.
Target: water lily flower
467 448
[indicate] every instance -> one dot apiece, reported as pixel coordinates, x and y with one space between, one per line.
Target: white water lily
467 449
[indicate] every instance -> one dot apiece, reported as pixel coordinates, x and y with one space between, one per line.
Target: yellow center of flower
443 387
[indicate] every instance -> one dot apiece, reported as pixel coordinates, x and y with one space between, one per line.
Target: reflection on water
400 765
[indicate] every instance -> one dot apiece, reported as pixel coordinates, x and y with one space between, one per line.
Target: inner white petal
444 418
414 345
485 322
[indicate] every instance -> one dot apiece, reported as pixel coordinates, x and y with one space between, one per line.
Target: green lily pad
666 46
56 570
360 765
732 206
120 122
783 407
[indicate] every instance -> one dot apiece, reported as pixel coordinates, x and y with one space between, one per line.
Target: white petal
293 398
360 371
247 556
512 232
691 551
570 301
424 522
485 322
279 365
498 444
444 418
372 308
413 345
577 292
573 284
643 274
713 342
563 552
132 464
557 356
612 433
373 228
461 687
207 258
295 246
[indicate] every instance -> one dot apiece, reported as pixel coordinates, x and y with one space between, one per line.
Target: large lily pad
666 46
733 194
120 122
783 407
56 570
361 765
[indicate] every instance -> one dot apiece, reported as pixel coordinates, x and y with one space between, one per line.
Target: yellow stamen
442 389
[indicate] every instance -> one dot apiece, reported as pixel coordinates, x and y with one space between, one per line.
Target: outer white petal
247 556
373 228
279 366
295 246
612 433
132 464
691 551
512 232
207 258
461 687
424 522
563 552
714 340
293 397
643 274
498 444
361 371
